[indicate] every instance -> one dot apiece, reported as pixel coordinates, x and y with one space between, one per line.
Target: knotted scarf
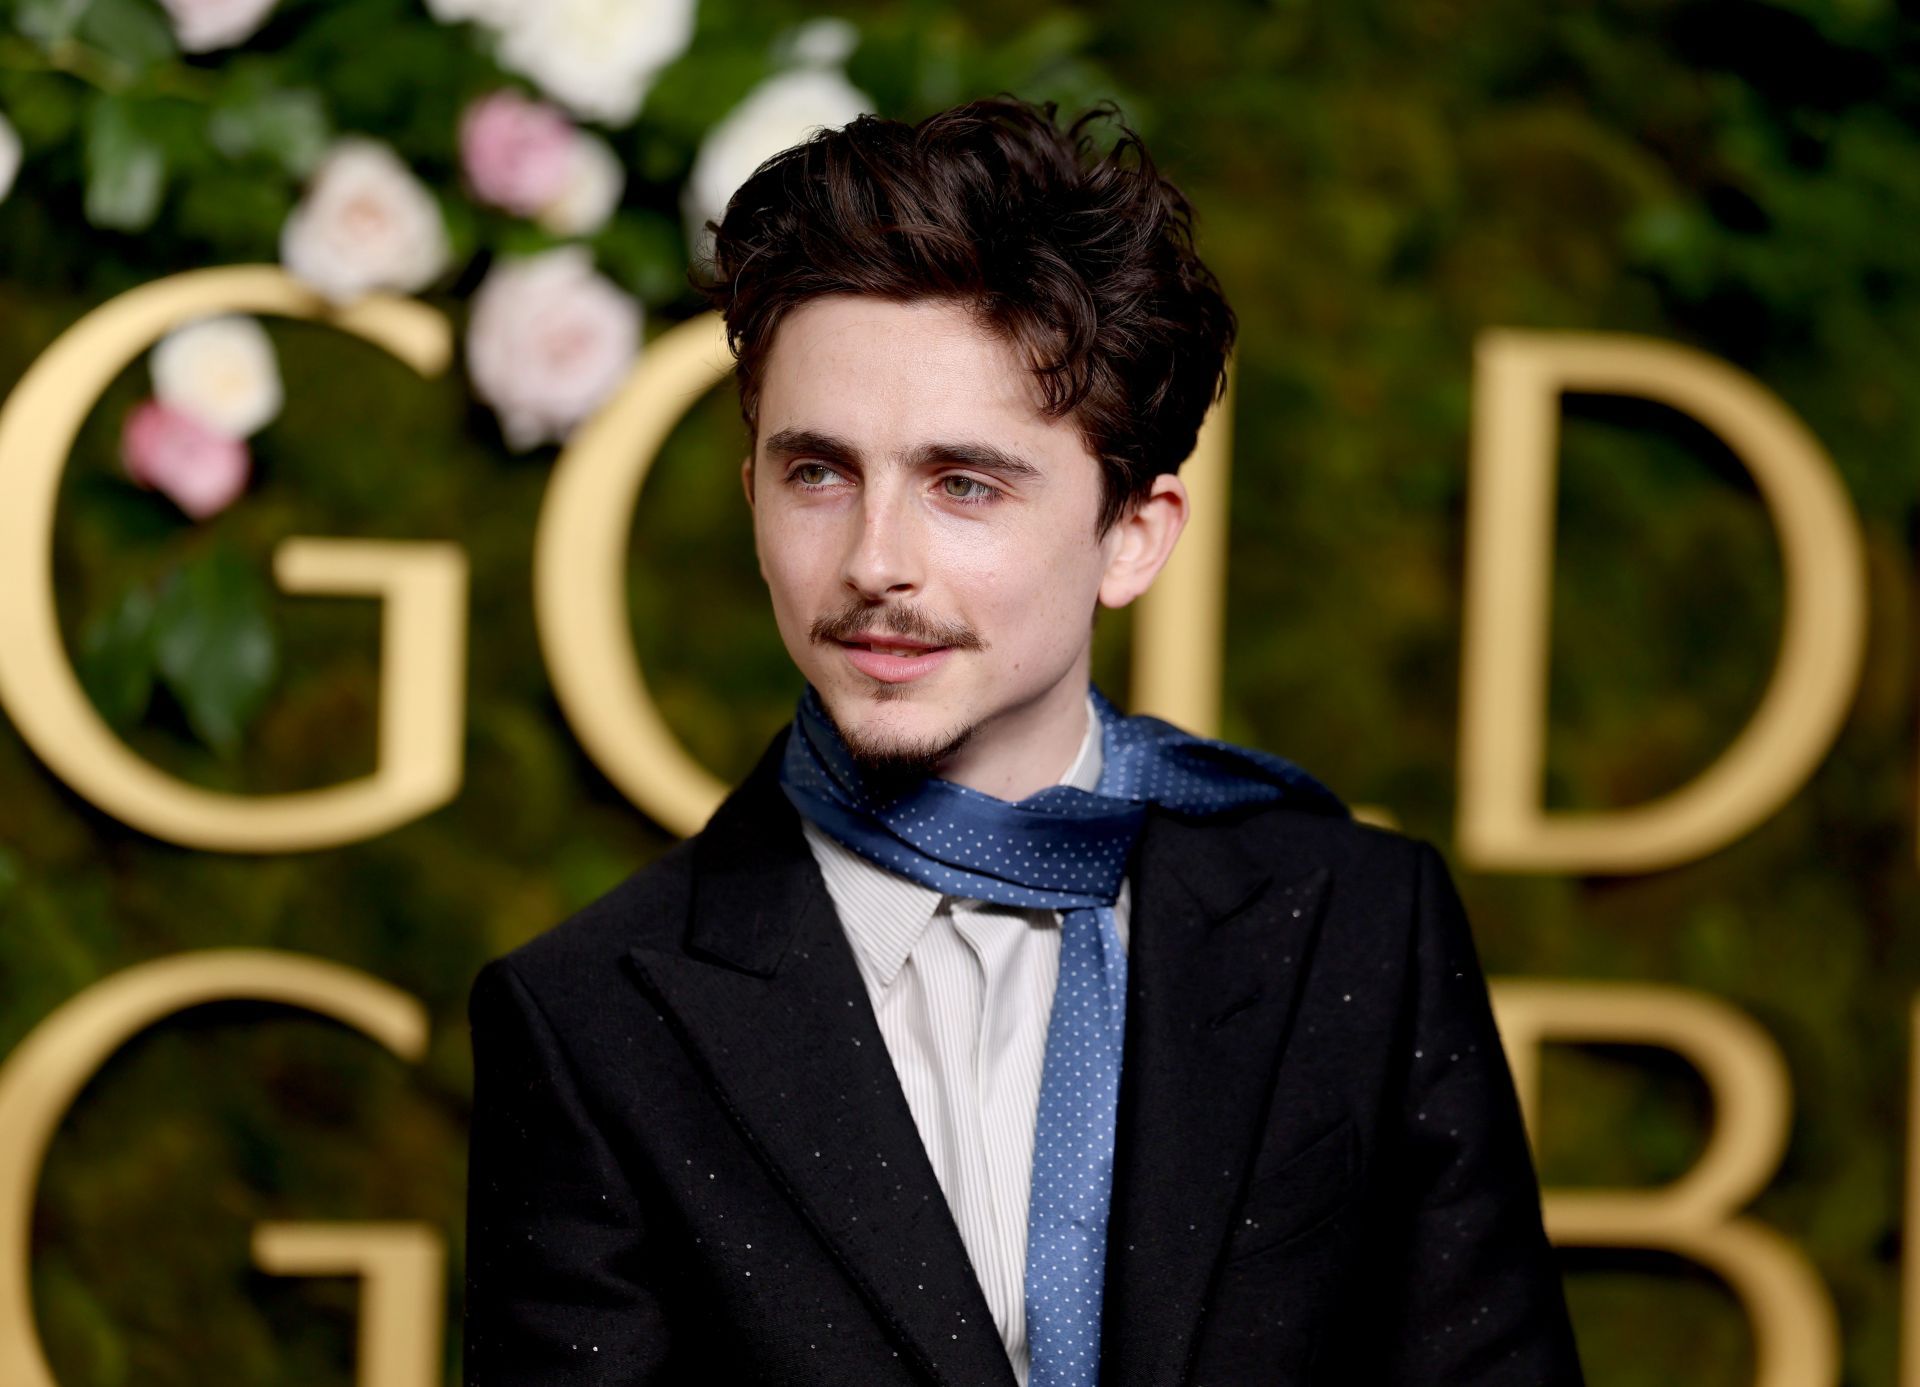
1065 849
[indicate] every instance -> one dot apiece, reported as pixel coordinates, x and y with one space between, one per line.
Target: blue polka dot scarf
1065 849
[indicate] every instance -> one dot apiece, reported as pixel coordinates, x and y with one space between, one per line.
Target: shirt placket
1008 1051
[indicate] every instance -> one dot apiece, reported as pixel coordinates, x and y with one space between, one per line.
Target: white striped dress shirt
963 990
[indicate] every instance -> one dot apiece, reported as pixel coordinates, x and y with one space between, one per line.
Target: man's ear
746 484
1142 540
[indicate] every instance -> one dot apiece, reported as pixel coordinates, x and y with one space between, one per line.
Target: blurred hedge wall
1377 182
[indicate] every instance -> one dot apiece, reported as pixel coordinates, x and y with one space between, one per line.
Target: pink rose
365 224
202 470
549 341
517 152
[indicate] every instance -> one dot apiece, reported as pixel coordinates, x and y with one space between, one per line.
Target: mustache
908 623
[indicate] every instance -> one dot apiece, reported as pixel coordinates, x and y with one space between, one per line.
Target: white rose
201 26
595 180
9 156
780 112
365 223
549 340
596 57
493 13
824 42
222 371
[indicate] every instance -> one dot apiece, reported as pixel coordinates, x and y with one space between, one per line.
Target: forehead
893 374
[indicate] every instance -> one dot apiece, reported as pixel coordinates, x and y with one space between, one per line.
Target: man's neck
1027 749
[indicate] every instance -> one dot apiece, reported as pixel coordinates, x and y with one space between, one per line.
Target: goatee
890 767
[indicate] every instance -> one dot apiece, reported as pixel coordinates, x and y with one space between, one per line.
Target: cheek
790 556
1024 592
791 590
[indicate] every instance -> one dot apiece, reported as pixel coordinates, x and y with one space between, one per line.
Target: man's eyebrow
791 443
983 457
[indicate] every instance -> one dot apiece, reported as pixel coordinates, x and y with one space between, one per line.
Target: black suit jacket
692 1161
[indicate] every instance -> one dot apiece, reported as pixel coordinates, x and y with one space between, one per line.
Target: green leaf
126 168
1051 38
699 89
463 228
289 126
215 645
237 214
116 657
131 30
113 513
44 108
643 250
49 22
514 239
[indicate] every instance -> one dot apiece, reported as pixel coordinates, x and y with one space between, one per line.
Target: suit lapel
768 998
1219 944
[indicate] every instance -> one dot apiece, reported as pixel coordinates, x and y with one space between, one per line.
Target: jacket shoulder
652 907
1381 881
1349 847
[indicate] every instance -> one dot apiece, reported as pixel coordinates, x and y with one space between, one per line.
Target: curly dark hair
1085 262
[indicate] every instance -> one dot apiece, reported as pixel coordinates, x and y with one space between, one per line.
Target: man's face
926 533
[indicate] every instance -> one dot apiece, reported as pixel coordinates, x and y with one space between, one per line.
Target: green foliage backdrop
1377 182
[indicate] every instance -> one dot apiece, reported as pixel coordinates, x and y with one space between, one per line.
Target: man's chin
889 749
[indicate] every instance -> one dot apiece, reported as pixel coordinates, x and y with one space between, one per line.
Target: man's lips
891 659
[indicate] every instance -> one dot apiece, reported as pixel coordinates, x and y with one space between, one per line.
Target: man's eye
965 488
813 473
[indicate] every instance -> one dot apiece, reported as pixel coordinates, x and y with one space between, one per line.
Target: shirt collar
885 913
1084 773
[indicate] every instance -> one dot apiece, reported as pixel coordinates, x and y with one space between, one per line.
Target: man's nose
883 557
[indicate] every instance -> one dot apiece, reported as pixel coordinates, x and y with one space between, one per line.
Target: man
985 1035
